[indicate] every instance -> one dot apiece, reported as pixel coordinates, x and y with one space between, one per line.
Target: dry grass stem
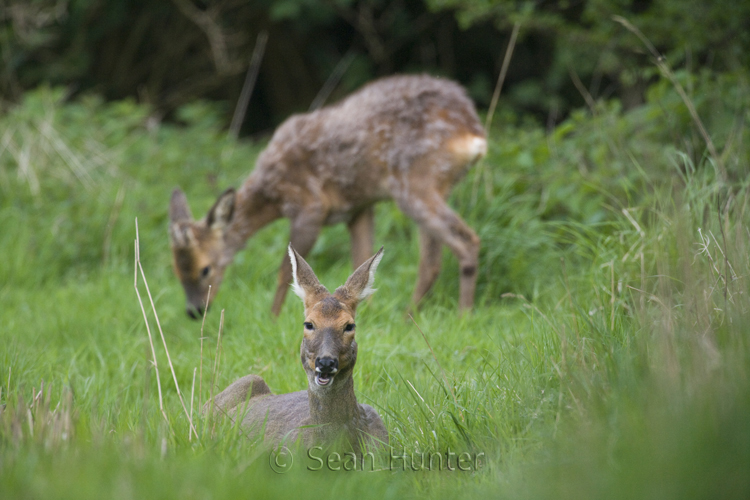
501 76
249 85
192 399
582 90
333 80
481 169
217 364
37 421
150 337
74 163
161 332
200 376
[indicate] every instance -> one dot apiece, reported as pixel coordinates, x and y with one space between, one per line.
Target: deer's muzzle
325 369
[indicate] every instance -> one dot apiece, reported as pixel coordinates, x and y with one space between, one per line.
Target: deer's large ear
359 285
222 212
179 211
306 285
180 220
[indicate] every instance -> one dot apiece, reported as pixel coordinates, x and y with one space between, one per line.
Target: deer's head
328 349
198 248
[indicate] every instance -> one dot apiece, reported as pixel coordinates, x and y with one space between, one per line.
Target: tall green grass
607 356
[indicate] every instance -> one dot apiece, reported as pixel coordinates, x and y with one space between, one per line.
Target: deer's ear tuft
305 284
298 290
368 290
359 285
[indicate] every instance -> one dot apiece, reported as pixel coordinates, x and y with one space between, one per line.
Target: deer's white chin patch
323 380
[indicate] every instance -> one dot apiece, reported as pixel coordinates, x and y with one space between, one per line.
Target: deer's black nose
194 312
326 365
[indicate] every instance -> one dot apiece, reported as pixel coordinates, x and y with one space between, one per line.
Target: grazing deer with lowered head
405 138
328 410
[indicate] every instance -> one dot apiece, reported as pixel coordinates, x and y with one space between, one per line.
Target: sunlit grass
607 356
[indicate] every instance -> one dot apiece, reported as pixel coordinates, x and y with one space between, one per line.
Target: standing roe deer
406 138
328 410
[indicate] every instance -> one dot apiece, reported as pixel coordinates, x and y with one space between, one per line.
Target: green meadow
608 355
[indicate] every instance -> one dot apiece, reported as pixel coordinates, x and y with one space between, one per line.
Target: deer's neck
335 411
253 210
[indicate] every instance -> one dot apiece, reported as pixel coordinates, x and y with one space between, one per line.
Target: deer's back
277 416
353 149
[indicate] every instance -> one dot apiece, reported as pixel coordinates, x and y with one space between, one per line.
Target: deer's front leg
362 236
304 231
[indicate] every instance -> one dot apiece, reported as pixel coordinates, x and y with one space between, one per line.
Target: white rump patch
368 289
478 147
295 284
470 148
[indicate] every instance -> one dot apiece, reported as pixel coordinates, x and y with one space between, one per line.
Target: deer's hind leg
237 393
430 256
426 205
304 231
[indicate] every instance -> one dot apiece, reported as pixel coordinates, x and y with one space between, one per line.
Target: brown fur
321 414
405 138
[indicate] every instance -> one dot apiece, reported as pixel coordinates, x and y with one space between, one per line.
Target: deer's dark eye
349 327
308 325
205 271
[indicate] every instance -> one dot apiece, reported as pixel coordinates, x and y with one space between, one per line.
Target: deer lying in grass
405 138
328 410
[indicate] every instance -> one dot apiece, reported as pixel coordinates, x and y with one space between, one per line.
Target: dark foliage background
168 53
